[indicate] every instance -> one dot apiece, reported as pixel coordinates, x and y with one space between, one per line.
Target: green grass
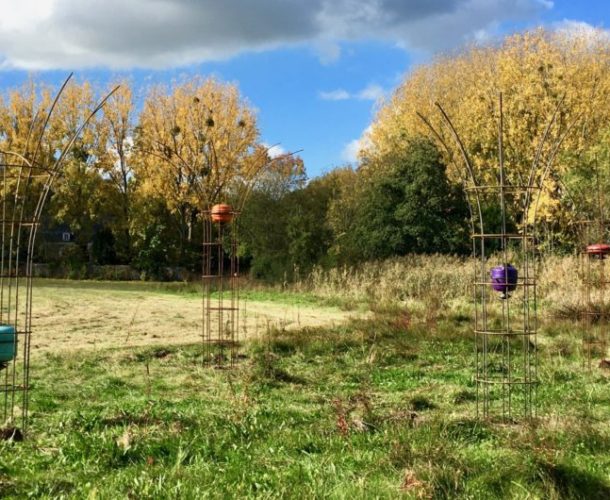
380 408
250 291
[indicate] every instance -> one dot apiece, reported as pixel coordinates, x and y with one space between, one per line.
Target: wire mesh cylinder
594 309
220 280
27 176
505 325
504 214
22 196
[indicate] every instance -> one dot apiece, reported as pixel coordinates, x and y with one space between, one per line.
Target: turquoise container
8 343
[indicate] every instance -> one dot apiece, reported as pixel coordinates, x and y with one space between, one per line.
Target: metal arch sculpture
220 277
594 250
27 178
505 301
218 187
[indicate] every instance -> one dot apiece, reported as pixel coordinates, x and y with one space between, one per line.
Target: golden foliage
196 142
115 128
30 136
536 72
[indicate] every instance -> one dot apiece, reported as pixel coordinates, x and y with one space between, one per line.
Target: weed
464 396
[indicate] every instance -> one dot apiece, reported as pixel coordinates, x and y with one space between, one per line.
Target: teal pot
8 343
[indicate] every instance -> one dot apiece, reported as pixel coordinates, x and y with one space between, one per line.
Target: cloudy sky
314 69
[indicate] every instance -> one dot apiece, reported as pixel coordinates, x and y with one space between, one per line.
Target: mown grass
383 407
253 291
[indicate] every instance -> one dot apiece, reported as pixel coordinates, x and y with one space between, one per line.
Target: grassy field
377 405
75 315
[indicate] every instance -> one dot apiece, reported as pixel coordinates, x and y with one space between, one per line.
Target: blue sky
315 70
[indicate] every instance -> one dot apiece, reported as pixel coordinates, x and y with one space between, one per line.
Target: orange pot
600 249
222 213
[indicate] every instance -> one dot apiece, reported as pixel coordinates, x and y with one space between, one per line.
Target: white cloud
352 149
583 30
45 34
335 95
371 92
275 150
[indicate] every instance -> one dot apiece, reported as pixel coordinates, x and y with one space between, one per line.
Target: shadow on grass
572 482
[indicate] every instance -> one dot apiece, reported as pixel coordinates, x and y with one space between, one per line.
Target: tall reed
444 278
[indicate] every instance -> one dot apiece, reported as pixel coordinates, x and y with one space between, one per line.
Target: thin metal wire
504 373
26 185
220 284
505 328
594 313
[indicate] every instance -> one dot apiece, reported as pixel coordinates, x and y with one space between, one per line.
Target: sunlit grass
381 407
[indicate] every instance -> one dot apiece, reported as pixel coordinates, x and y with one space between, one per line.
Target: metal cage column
595 307
505 325
220 282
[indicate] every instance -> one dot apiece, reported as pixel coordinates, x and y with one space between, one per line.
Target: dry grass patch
74 316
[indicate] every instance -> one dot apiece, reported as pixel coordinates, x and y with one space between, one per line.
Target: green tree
407 206
265 243
309 232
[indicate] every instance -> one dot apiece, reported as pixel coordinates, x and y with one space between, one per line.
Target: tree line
406 193
136 182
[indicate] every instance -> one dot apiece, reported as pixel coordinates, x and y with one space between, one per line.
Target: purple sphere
504 279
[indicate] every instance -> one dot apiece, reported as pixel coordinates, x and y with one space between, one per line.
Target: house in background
55 242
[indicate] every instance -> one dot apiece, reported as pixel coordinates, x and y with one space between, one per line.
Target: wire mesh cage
27 176
503 210
22 183
220 281
596 279
505 317
220 263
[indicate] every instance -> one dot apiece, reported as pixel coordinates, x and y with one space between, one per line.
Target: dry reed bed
439 279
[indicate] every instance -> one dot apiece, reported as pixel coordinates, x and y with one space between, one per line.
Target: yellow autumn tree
80 195
197 143
115 128
22 114
538 73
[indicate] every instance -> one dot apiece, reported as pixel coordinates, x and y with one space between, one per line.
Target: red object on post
222 213
598 249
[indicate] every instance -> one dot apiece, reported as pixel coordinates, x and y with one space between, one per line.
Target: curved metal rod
29 177
550 163
571 197
57 166
249 186
30 164
22 187
33 161
465 157
19 156
439 138
538 155
460 144
468 165
463 177
53 173
49 114
14 247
